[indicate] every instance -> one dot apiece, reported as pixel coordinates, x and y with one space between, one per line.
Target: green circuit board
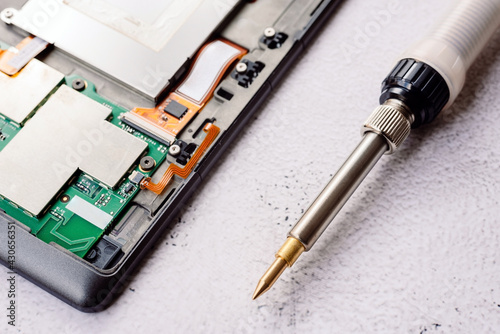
59 224
7 131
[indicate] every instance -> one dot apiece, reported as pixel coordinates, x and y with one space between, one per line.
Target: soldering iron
427 79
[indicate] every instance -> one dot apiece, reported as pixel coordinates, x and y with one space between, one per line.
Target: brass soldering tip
272 274
285 257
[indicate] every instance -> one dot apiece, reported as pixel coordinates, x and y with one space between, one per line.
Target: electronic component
141 36
136 177
212 132
190 96
129 188
69 133
87 186
27 90
175 109
57 224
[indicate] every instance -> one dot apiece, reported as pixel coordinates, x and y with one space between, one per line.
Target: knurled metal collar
392 120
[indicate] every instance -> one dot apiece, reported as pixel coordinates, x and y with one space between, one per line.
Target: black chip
175 109
129 188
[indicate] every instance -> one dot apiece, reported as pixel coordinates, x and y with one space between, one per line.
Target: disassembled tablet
111 115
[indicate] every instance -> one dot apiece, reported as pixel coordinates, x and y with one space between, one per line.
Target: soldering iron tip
272 274
260 289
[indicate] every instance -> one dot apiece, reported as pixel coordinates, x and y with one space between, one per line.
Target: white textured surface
416 250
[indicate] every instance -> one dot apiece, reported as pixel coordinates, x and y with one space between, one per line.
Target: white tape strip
27 53
208 67
90 213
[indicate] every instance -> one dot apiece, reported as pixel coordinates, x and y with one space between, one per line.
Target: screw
269 32
79 85
8 13
174 150
241 67
147 164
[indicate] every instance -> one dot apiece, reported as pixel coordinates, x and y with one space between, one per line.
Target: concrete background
416 249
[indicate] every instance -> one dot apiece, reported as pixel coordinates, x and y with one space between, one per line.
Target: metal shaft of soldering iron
426 80
325 207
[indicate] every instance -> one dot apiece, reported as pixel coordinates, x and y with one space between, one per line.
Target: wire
212 132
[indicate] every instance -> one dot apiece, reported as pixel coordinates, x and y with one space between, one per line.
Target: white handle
457 41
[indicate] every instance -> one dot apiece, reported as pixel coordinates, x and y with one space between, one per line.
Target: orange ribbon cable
212 132
167 120
12 62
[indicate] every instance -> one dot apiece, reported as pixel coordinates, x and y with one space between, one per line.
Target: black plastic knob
419 86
